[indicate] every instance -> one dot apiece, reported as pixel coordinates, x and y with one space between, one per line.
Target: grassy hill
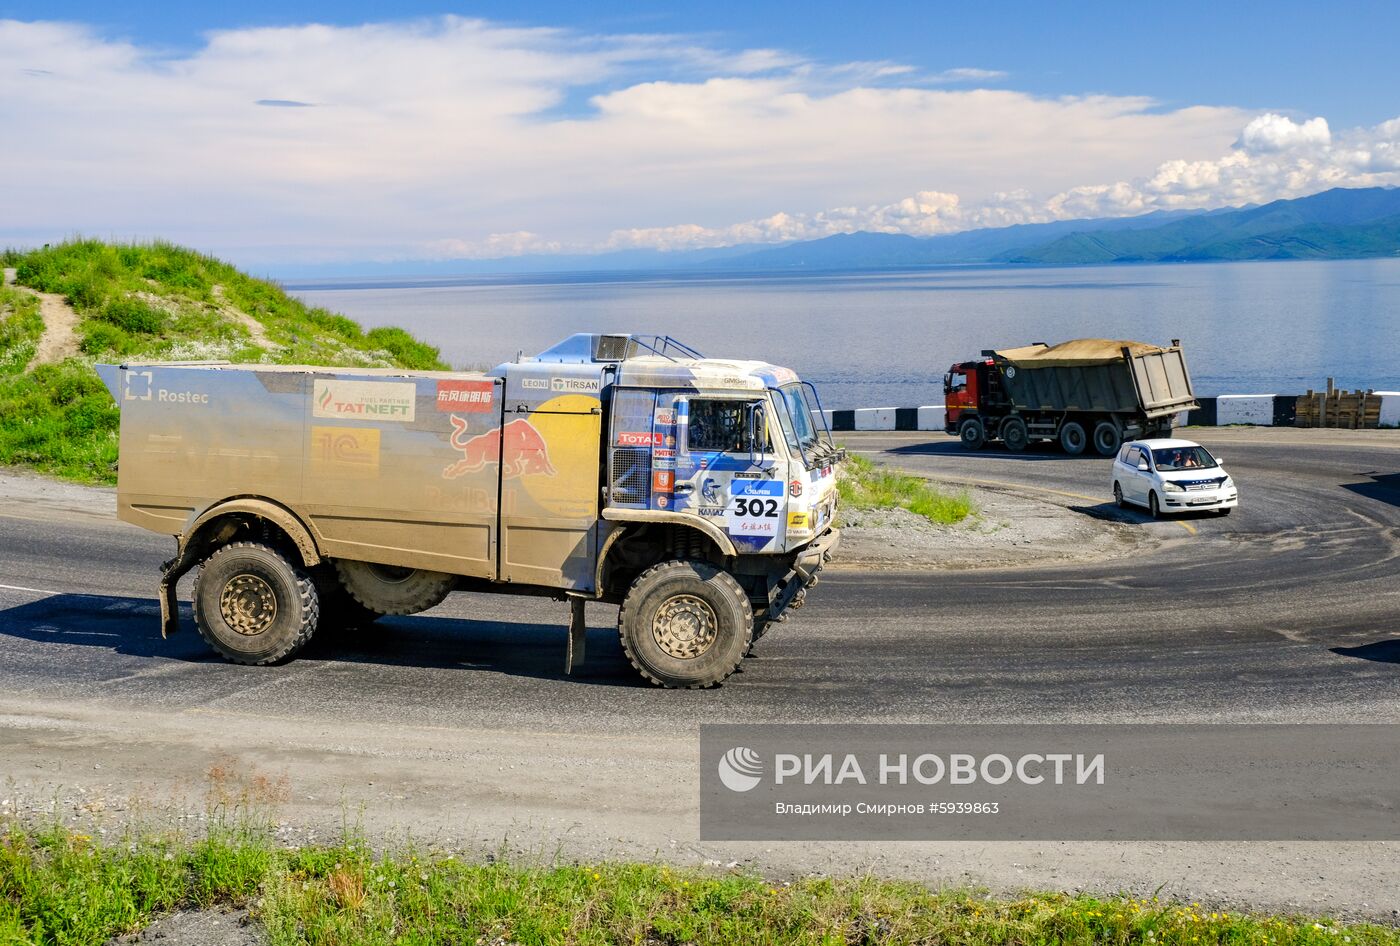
149 301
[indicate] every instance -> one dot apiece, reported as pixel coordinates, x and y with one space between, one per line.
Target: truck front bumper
791 591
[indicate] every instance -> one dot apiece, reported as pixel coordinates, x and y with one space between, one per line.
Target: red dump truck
1086 391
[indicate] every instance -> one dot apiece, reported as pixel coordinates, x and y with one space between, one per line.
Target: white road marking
37 591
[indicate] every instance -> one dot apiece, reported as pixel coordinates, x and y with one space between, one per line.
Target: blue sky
1336 59
503 128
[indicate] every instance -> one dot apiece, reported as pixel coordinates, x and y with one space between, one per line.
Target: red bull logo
526 453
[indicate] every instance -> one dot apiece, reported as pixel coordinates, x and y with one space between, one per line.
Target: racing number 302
767 508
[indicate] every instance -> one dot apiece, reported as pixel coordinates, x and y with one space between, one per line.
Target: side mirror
758 432
1219 461
1143 467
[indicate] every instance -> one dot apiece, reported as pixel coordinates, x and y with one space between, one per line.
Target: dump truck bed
1098 375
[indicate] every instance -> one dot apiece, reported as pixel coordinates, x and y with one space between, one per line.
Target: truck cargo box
1099 375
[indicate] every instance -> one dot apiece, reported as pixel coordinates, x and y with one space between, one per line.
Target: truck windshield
804 434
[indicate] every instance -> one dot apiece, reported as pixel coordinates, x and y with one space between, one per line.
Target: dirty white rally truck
698 494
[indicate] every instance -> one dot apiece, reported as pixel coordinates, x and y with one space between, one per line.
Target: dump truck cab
698 494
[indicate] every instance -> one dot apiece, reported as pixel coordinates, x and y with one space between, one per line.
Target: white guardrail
1260 410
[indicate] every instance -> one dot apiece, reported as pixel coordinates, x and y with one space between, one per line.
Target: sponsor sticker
664 453
659 463
754 507
575 385
663 480
345 452
626 438
468 397
798 520
526 452
364 400
535 384
666 417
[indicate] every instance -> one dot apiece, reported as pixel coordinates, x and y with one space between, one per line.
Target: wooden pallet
1349 410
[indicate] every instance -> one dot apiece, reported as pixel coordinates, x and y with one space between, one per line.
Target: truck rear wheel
253 606
685 624
1107 438
972 434
338 609
389 589
1014 434
1072 438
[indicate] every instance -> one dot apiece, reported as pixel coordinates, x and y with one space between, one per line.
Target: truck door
550 480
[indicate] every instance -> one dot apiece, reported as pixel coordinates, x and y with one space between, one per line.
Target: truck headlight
1171 487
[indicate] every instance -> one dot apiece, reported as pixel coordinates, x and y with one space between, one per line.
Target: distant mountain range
1342 223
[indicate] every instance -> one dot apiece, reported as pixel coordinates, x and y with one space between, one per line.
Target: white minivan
1172 476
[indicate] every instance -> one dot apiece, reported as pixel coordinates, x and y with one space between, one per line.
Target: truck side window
719 425
957 381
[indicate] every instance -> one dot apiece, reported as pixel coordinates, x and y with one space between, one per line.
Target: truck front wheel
685 624
254 606
972 433
1072 438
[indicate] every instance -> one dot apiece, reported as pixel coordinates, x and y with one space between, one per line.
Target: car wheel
972 434
1226 511
1117 494
1153 510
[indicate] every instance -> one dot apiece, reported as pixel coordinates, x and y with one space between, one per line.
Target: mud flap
170 575
578 636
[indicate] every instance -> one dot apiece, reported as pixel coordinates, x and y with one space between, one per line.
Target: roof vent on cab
585 348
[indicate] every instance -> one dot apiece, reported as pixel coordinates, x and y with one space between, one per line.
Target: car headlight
1228 484
1171 487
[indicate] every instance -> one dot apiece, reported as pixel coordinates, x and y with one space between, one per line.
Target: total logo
741 769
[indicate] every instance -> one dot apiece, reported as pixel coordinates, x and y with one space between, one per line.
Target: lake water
885 339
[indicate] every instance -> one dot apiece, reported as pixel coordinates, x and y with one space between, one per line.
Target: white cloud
451 136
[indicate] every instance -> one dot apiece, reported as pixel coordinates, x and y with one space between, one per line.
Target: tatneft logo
365 400
740 769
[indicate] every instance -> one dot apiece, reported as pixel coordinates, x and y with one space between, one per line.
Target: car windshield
1170 459
804 427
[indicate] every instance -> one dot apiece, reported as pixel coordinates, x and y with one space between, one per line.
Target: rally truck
1081 392
697 494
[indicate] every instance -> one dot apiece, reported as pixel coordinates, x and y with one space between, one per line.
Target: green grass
151 301
863 485
61 887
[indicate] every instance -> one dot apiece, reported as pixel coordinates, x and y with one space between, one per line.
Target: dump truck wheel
1107 438
972 434
1014 435
685 624
338 609
389 589
1072 438
254 606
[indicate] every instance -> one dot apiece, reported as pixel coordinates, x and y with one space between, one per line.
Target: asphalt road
1287 610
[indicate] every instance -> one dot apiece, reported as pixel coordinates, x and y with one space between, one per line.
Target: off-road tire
1118 499
1107 438
278 586
727 602
339 611
1014 434
1154 508
1072 438
972 434
390 590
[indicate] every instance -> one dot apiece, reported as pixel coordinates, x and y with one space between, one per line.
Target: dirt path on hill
60 338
